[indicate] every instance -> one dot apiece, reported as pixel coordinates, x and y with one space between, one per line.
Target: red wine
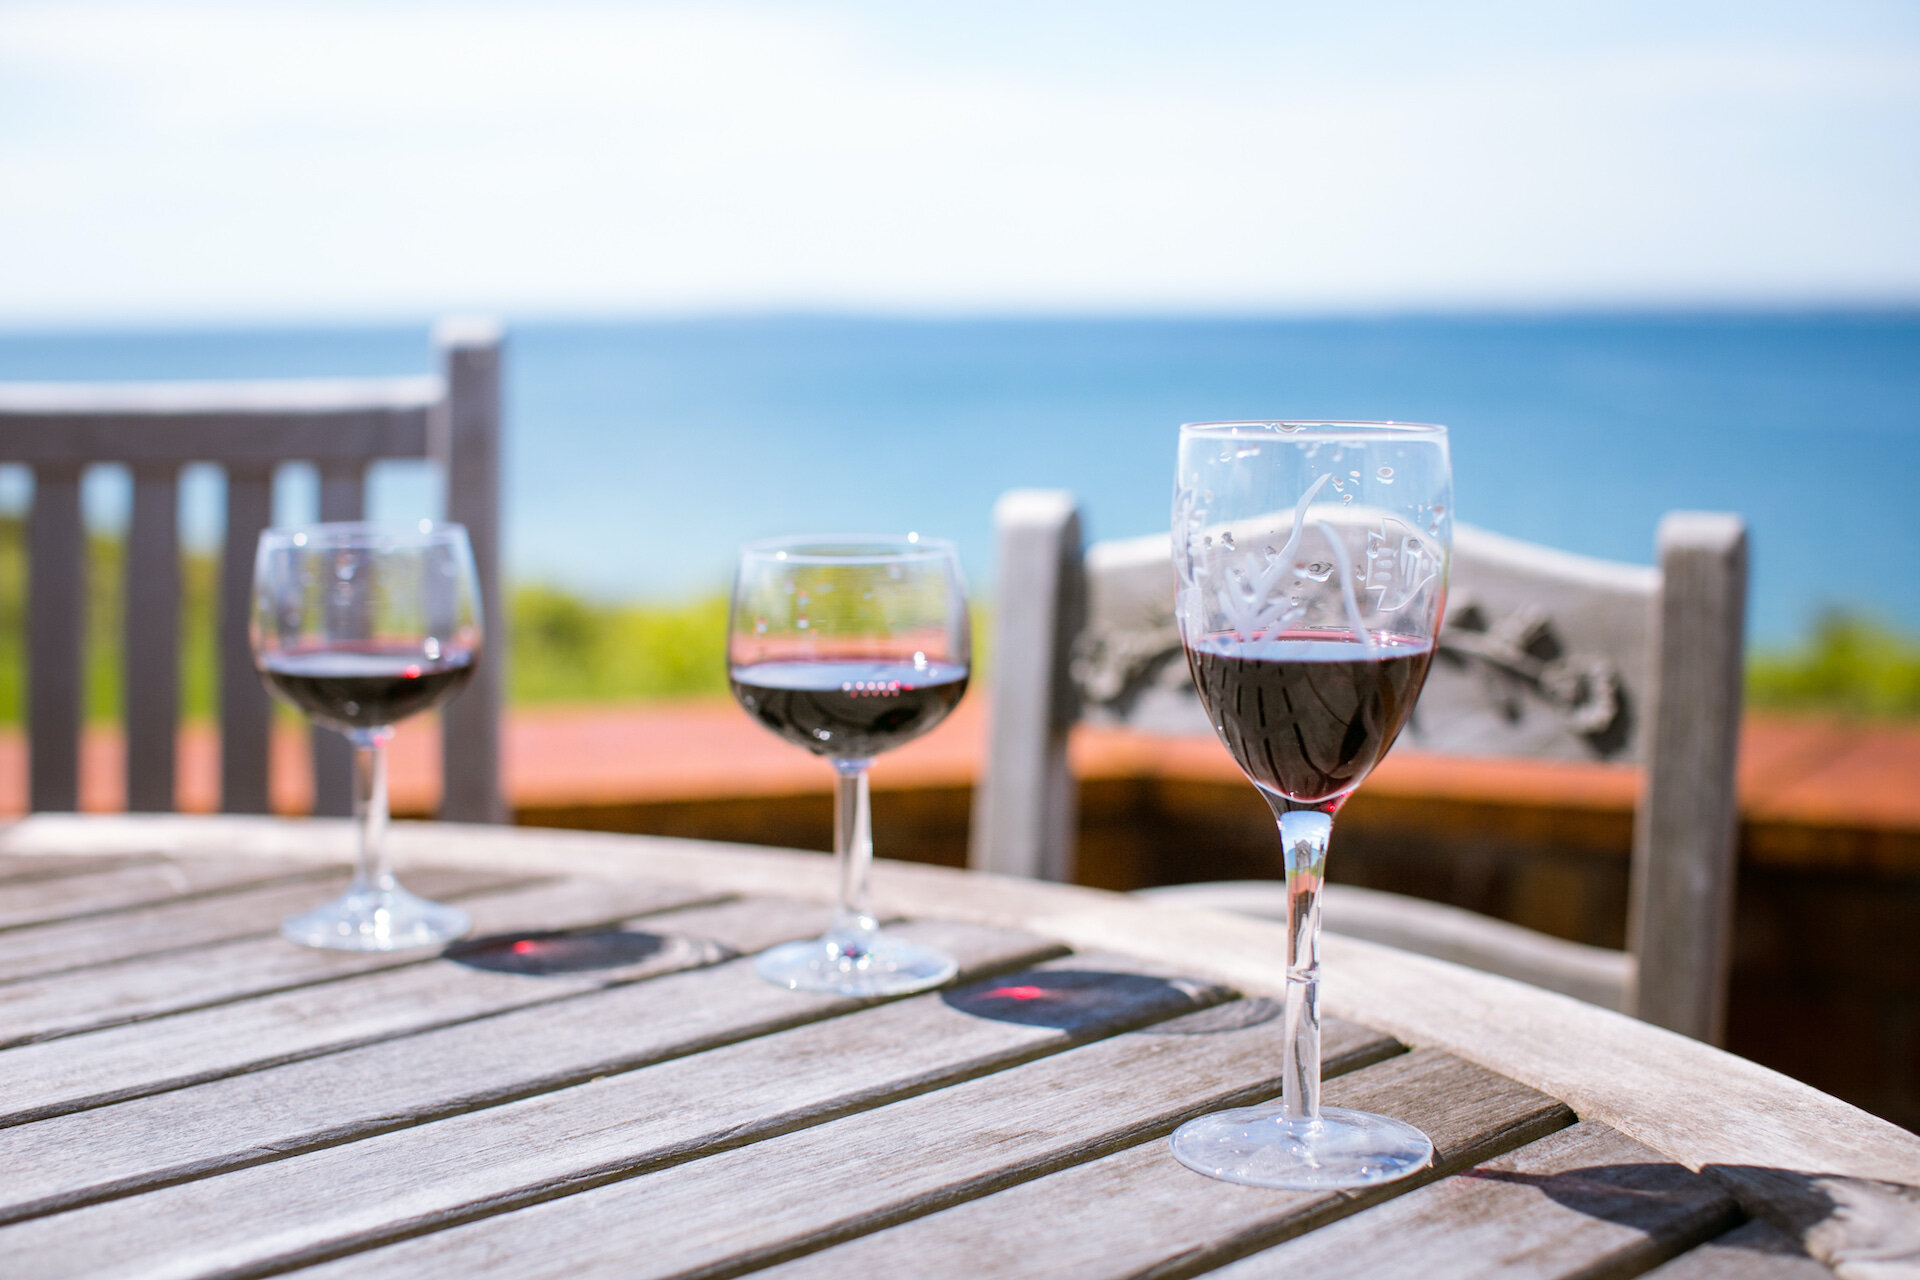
1308 715
365 688
850 710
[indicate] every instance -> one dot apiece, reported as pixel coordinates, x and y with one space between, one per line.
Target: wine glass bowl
1312 563
361 626
848 647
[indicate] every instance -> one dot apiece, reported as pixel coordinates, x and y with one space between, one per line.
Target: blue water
640 454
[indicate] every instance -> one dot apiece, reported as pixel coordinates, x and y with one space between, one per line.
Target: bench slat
151 638
467 440
245 714
343 487
56 637
242 422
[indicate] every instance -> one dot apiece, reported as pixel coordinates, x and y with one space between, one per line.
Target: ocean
640 453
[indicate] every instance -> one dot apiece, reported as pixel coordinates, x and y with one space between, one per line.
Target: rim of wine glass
1311 428
357 533
852 548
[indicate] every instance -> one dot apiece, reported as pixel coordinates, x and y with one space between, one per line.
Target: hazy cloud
201 159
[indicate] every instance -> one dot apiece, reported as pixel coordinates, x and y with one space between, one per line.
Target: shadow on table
1855 1225
1636 1195
1082 999
546 953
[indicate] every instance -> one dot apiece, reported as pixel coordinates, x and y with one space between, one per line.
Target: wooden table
183 1094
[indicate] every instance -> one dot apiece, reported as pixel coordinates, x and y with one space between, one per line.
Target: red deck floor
1798 772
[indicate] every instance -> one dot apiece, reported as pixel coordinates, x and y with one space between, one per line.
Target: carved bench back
1542 654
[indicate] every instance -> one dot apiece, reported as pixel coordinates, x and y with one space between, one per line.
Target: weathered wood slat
113 889
1582 1202
1141 1212
249 428
244 708
1680 919
18 867
1864 1228
266 399
905 1158
1023 819
54 1076
56 603
343 487
467 442
556 1138
252 422
247 912
151 638
1753 1252
218 973
244 1119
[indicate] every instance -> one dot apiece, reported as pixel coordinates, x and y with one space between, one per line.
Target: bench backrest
1543 654
249 429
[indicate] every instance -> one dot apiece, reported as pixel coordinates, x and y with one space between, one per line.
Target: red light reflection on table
556 952
1075 999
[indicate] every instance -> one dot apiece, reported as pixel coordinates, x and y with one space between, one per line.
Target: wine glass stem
370 808
1303 836
853 849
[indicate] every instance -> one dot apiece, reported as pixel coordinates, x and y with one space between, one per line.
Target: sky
209 162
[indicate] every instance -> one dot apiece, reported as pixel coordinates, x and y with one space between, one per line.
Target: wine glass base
389 919
1260 1147
870 965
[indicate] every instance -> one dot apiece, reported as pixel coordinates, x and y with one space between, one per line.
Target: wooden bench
250 429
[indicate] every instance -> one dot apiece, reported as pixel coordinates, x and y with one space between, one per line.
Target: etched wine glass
850 647
1312 560
361 626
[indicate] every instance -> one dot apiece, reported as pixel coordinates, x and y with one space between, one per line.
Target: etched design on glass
1243 583
1400 564
1353 567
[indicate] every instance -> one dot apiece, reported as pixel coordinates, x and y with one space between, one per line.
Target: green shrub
1853 666
565 649
106 567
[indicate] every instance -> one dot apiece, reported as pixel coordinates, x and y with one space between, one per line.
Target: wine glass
850 647
1312 561
361 626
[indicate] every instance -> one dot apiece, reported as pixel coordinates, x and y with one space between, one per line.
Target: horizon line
384 318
